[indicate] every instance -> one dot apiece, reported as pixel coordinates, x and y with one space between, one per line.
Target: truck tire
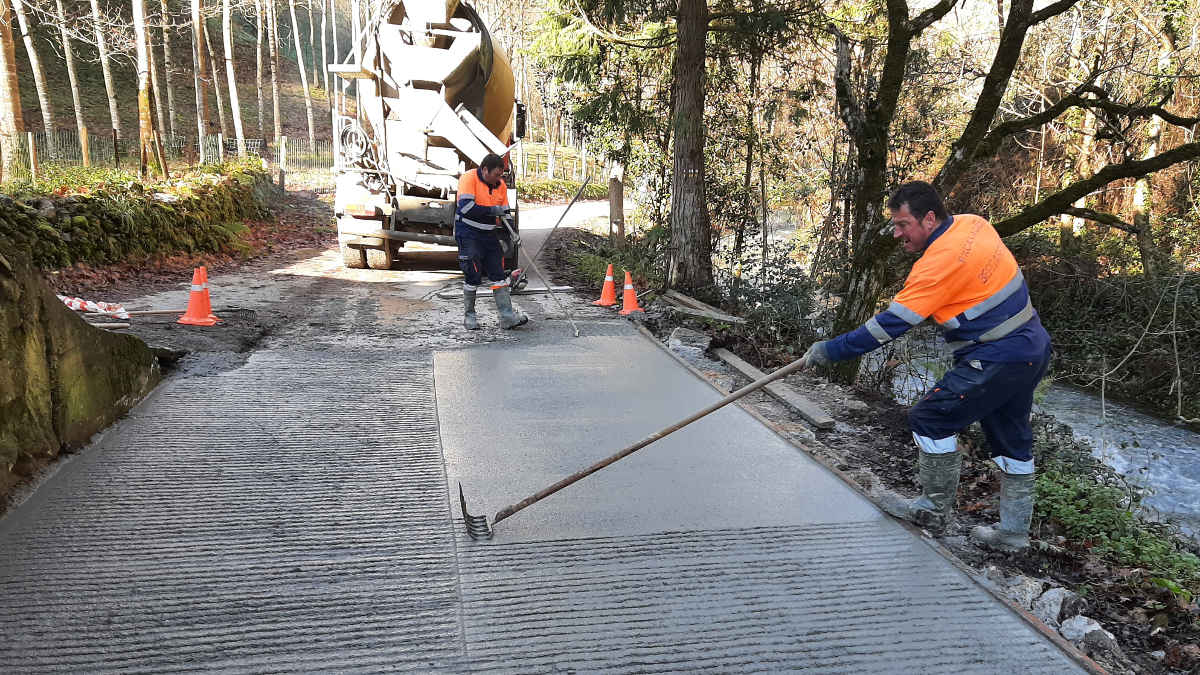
379 258
353 257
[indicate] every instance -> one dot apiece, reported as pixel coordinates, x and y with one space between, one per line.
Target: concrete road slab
515 419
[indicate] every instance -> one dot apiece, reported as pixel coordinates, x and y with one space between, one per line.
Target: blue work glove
498 210
817 354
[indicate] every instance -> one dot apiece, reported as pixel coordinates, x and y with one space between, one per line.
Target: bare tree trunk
69 55
11 121
97 23
325 50
166 38
258 62
337 57
312 134
155 90
312 44
234 104
691 266
39 76
273 43
200 74
747 174
145 122
216 82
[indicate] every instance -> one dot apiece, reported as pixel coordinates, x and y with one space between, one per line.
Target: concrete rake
477 526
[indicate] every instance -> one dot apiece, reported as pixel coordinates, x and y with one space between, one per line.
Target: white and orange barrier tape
81 305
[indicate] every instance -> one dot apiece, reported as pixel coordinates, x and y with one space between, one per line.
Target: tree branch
891 79
848 108
1143 111
992 140
925 19
1051 11
1102 218
1062 200
640 43
1008 52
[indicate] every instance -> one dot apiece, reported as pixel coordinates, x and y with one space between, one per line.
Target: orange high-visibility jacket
969 283
475 199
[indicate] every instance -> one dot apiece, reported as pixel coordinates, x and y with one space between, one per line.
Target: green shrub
1102 517
558 190
642 257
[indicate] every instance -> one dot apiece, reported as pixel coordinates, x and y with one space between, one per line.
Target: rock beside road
62 380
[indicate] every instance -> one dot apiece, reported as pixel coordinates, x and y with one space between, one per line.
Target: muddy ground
870 442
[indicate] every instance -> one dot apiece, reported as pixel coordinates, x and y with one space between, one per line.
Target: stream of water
1149 452
1160 457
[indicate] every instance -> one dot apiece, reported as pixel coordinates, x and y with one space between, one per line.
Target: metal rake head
477 526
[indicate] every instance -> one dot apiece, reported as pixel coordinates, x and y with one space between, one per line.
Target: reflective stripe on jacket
475 199
969 283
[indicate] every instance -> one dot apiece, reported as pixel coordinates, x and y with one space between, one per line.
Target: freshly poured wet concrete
719 548
578 401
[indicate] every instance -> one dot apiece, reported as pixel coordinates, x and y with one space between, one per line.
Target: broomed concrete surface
299 513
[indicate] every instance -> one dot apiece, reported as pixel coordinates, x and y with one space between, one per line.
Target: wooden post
84 150
116 151
282 160
616 203
33 158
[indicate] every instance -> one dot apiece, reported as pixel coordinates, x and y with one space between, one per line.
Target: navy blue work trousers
998 395
479 254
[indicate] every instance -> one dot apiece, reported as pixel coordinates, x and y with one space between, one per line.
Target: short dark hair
921 199
492 161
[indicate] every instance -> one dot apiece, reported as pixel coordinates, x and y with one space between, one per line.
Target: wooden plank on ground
807 409
691 306
715 316
689 301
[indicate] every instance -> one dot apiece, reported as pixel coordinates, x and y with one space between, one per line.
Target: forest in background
759 138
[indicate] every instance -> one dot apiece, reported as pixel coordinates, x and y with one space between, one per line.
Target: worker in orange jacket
969 283
482 202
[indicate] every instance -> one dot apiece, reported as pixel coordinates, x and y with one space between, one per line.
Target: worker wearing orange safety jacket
969 283
482 202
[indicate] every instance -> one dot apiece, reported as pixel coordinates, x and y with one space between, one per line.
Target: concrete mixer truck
426 93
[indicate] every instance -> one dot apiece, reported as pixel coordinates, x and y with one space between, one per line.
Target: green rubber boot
509 317
470 320
934 509
1016 510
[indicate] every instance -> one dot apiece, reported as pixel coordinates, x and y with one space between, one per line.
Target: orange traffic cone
199 309
207 293
608 296
629 298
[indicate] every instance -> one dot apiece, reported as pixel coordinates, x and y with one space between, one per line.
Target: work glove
817 354
498 210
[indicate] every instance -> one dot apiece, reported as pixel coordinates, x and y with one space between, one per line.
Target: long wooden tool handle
753 386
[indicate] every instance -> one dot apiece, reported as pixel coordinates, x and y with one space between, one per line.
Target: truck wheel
353 257
379 258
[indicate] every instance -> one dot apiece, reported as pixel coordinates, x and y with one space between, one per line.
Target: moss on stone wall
64 380
202 213
61 380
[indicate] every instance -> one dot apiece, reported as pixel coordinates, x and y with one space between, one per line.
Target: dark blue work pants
479 254
998 395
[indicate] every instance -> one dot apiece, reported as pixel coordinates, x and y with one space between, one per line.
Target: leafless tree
35 63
